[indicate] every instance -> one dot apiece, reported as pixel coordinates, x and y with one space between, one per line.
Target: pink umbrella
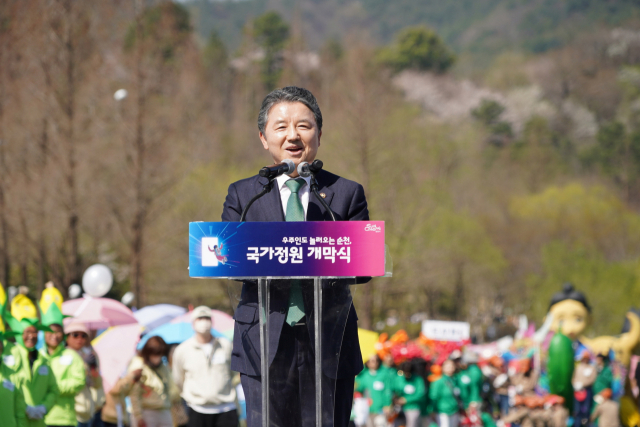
116 347
220 320
98 313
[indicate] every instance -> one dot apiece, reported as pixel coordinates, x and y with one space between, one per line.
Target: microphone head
291 166
303 169
316 166
264 172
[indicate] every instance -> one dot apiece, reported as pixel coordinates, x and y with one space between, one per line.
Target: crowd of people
59 384
465 391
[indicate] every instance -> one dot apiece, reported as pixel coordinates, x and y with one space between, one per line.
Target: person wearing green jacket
411 394
605 376
69 373
12 406
38 383
375 383
442 394
67 366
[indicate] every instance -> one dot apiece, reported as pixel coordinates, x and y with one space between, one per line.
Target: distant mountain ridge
480 27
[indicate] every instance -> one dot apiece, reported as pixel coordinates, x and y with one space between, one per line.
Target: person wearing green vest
374 382
12 406
38 383
67 366
443 396
411 394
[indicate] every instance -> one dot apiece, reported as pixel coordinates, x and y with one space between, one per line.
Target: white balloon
120 94
128 298
97 280
75 291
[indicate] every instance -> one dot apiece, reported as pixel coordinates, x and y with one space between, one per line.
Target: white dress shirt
303 193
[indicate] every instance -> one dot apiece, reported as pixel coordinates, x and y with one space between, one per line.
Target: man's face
30 337
291 133
53 339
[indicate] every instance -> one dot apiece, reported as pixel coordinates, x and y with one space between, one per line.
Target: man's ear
264 141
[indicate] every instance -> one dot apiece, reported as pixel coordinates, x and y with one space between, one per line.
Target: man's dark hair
569 293
289 94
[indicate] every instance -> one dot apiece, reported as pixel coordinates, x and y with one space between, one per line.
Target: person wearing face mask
202 372
155 392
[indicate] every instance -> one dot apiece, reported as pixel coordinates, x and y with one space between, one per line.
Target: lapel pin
323 195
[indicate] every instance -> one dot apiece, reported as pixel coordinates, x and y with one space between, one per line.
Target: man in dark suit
290 125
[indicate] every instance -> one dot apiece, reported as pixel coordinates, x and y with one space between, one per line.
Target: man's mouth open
294 151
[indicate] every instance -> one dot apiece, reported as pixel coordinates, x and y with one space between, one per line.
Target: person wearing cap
375 383
469 379
202 373
526 378
607 413
38 382
66 365
77 335
12 405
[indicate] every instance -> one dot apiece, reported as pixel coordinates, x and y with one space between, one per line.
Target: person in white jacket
202 372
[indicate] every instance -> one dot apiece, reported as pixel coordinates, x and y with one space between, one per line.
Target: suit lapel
315 211
271 204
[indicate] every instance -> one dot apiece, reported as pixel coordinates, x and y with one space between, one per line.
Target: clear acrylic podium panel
297 385
298 374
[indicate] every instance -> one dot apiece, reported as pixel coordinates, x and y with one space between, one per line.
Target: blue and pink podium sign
313 253
286 249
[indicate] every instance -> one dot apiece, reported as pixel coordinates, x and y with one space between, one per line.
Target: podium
265 262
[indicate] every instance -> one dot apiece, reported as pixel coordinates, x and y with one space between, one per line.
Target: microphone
306 169
287 166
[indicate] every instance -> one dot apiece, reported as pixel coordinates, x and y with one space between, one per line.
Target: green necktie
295 212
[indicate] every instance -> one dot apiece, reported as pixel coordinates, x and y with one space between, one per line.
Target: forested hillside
481 27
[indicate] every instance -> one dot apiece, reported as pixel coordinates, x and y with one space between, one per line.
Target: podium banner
286 249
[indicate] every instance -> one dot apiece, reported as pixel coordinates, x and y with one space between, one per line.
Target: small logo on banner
372 227
212 252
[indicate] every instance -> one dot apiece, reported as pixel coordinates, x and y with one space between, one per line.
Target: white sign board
445 331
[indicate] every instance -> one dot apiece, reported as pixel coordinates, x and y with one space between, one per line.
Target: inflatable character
570 309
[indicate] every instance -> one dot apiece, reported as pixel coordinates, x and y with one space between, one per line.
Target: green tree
271 33
418 48
164 28
489 113
617 155
215 53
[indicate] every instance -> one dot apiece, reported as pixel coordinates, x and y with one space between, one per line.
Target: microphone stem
314 190
265 189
